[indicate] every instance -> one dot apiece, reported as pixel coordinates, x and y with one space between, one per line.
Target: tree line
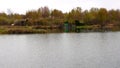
45 16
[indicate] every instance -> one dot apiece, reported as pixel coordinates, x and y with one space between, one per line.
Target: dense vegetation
44 18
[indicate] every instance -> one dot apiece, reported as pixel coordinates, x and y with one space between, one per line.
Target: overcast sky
21 6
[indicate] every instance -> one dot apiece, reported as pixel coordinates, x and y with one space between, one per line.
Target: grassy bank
20 30
48 29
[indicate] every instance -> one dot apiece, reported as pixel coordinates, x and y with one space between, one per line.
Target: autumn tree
4 19
74 14
32 14
45 12
90 17
114 16
102 17
57 14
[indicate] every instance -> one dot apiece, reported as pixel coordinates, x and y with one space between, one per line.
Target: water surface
62 50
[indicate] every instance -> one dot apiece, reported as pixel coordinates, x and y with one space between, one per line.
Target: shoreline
33 30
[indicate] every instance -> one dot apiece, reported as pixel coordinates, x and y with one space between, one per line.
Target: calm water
72 50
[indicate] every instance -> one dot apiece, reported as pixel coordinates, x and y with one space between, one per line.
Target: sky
21 6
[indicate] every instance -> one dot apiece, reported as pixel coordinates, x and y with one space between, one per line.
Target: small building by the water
21 22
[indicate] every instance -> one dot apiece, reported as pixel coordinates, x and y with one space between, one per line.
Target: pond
60 50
